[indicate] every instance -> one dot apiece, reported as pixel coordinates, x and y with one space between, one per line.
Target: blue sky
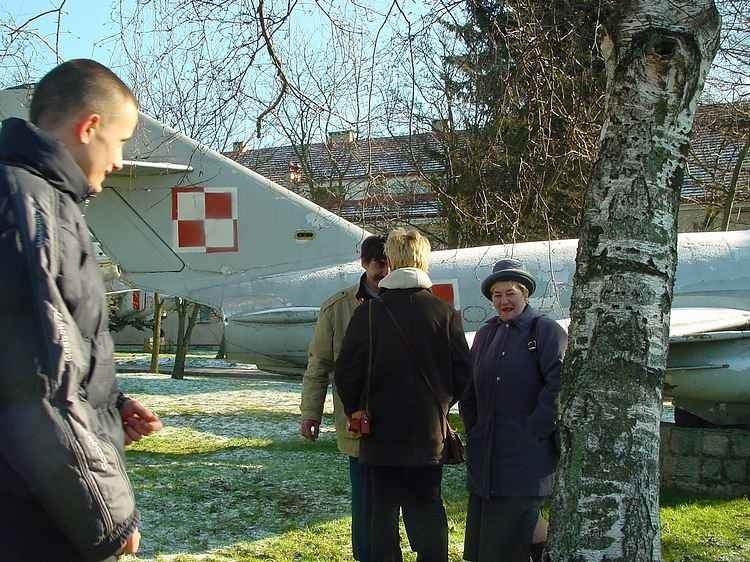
86 30
91 29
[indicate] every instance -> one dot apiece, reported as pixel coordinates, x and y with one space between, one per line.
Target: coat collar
406 278
362 293
24 144
521 321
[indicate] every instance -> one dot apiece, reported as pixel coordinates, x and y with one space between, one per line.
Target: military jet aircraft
184 220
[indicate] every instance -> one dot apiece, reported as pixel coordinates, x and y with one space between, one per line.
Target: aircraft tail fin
180 218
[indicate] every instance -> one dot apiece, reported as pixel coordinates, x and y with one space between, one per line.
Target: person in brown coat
420 367
333 319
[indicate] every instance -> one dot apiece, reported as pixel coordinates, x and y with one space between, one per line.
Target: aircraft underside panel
710 377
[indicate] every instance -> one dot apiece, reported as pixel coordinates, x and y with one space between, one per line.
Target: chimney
238 146
344 137
295 172
440 125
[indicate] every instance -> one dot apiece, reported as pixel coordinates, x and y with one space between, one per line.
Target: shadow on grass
190 414
232 445
152 384
202 502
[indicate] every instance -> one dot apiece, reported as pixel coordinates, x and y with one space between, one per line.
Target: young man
324 349
63 486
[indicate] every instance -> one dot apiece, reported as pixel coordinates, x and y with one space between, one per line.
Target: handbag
453 448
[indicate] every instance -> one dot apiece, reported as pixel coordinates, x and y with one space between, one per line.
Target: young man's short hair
373 248
75 87
407 248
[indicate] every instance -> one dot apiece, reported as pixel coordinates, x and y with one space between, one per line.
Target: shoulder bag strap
366 398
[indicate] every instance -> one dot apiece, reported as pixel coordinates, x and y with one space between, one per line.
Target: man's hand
132 544
138 421
309 429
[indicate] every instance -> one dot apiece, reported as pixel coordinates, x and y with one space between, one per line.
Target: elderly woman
420 365
509 414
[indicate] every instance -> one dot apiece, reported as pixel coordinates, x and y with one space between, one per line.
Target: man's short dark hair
74 87
373 248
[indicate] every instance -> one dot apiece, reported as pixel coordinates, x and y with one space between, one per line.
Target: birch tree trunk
606 504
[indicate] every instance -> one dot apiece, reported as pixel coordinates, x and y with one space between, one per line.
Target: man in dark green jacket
64 491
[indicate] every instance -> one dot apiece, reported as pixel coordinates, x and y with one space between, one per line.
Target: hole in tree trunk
665 47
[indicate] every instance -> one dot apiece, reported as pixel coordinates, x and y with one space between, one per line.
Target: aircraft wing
146 168
686 322
691 324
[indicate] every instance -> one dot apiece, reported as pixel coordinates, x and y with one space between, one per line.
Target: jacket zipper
109 524
121 469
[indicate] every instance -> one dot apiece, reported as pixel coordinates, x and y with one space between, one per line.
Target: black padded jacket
64 491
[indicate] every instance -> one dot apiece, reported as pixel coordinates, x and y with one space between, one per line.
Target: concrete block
711 470
686 468
736 470
741 445
715 444
686 441
666 466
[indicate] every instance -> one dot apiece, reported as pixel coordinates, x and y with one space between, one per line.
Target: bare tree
156 332
24 48
719 168
187 314
729 80
606 504
199 63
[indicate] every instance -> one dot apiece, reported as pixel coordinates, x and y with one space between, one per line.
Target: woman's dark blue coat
509 408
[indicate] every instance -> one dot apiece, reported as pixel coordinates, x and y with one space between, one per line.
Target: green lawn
228 479
705 529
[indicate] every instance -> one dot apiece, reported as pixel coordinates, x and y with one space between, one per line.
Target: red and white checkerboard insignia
205 219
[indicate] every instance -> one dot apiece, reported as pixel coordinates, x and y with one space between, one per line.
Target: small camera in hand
360 423
364 424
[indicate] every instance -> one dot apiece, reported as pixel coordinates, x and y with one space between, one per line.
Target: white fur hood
406 278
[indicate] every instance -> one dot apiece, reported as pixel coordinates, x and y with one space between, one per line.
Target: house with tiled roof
377 181
718 160
361 180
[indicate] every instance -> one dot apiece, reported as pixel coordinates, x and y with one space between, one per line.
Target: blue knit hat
508 270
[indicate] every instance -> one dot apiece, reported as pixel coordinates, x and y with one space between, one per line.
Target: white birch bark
606 504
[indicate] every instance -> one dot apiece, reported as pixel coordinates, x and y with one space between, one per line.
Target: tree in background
719 163
606 502
156 333
719 170
22 47
187 315
523 93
